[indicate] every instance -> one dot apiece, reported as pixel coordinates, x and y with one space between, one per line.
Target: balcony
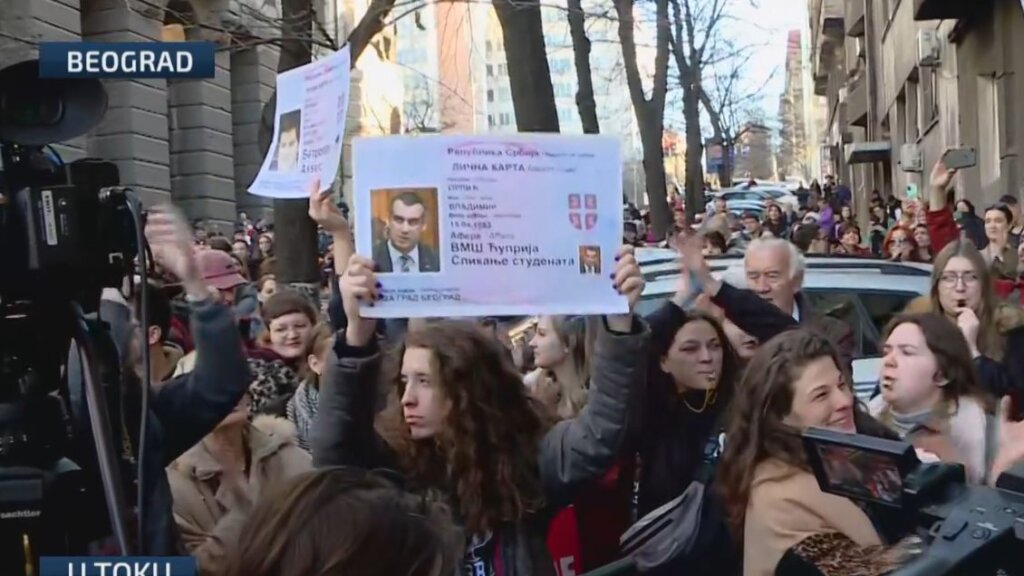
857 102
854 18
943 9
828 34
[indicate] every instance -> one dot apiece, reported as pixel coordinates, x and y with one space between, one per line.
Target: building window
505 94
503 69
490 70
490 120
914 124
929 93
504 119
490 95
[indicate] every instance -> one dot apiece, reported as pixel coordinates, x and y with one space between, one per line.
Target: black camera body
972 530
67 231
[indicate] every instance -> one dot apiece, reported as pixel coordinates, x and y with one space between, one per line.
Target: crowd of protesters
301 439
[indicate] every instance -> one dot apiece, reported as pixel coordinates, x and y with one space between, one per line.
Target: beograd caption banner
496 225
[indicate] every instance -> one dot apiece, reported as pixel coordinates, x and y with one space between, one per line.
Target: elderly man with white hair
774 272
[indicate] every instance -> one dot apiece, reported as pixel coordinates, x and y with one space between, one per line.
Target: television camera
67 231
970 530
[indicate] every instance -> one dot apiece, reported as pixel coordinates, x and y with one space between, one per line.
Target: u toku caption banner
309 128
496 225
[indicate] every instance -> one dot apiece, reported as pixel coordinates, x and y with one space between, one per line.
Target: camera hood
37 111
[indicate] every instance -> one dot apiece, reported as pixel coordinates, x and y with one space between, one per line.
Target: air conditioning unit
929 48
911 159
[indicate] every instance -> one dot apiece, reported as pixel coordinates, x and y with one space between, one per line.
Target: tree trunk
725 174
529 76
585 101
650 113
694 151
295 241
295 238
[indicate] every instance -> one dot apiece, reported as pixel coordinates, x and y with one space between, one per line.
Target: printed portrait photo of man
590 259
286 158
403 249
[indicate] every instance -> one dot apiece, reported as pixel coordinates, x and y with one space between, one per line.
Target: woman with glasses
962 290
461 425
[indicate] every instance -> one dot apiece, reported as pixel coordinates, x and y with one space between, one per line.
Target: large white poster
490 225
312 103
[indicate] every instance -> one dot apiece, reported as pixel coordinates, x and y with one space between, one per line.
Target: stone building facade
193 141
906 79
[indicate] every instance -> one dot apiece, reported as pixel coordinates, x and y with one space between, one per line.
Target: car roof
814 281
657 263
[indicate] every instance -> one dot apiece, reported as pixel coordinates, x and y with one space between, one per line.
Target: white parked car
864 293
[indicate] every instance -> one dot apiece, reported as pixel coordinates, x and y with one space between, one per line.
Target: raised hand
359 286
969 325
628 281
941 175
325 212
170 240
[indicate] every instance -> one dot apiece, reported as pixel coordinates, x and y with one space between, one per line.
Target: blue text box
126 59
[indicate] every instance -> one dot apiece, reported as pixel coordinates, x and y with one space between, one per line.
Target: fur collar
966 431
267 435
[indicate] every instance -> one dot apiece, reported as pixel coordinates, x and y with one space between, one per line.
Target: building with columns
193 141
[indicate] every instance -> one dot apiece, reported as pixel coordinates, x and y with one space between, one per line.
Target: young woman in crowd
850 241
302 406
345 522
773 499
900 245
214 484
924 243
289 318
962 290
775 222
930 395
461 423
690 385
1000 254
563 373
588 531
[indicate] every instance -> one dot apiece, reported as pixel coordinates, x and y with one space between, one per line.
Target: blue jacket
181 412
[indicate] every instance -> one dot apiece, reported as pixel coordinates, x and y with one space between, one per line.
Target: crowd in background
300 440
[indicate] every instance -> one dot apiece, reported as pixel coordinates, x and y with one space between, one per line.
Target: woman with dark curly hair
462 425
344 522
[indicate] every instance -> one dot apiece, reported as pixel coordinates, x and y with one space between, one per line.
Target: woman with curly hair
462 425
787 524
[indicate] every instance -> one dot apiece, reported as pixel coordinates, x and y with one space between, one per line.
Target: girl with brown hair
302 406
462 425
344 522
962 290
772 497
562 376
930 395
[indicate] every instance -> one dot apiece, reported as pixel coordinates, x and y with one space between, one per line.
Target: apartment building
906 79
193 141
792 160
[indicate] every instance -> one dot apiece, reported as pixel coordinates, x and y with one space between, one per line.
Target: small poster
496 225
312 104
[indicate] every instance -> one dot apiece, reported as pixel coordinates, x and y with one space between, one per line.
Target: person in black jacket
184 409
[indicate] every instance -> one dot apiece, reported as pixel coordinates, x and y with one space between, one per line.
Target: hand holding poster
312 103
490 225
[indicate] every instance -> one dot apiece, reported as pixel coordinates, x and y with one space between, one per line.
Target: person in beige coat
216 482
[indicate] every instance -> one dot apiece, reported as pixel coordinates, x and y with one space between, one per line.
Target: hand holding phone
959 158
